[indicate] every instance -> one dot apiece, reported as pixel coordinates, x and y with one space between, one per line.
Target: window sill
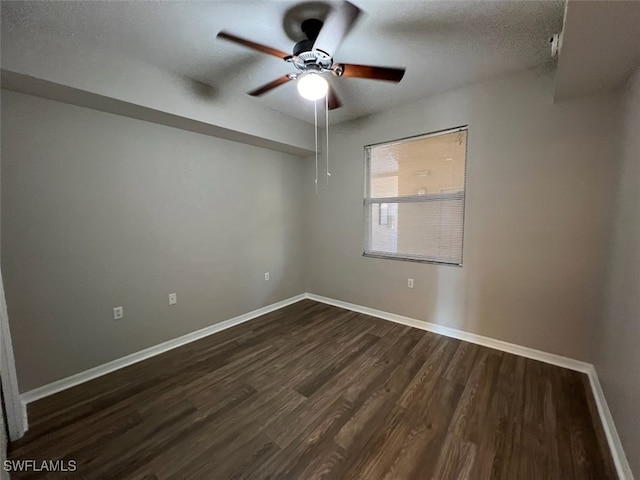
410 259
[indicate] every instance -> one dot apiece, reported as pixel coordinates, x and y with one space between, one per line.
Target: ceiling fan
313 56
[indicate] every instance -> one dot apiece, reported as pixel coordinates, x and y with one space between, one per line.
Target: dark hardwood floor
313 391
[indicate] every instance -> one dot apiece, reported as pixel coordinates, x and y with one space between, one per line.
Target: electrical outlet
118 313
410 283
266 276
173 298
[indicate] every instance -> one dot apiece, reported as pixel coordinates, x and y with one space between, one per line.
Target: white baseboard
25 415
14 408
617 452
100 370
527 352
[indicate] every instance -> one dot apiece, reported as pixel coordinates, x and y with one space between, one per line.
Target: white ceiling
443 44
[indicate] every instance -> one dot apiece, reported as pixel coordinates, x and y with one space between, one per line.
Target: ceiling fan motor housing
302 46
304 57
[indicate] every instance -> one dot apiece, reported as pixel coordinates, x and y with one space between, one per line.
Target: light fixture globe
312 86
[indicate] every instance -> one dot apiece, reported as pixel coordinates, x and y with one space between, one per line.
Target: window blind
415 196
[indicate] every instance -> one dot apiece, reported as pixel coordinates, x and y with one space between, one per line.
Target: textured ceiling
443 44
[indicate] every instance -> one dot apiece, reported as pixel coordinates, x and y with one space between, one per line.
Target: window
414 198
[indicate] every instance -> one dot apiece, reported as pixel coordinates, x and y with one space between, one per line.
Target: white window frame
368 201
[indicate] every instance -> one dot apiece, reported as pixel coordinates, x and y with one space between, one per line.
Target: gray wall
100 210
617 357
539 182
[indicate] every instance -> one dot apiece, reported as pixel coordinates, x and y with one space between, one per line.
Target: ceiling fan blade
375 73
334 101
270 86
337 26
255 46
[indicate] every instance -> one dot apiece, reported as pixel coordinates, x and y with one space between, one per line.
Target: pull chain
315 116
326 131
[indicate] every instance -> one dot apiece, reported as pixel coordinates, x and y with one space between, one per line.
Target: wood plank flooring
313 391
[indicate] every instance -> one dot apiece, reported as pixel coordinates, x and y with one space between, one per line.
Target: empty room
364 239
